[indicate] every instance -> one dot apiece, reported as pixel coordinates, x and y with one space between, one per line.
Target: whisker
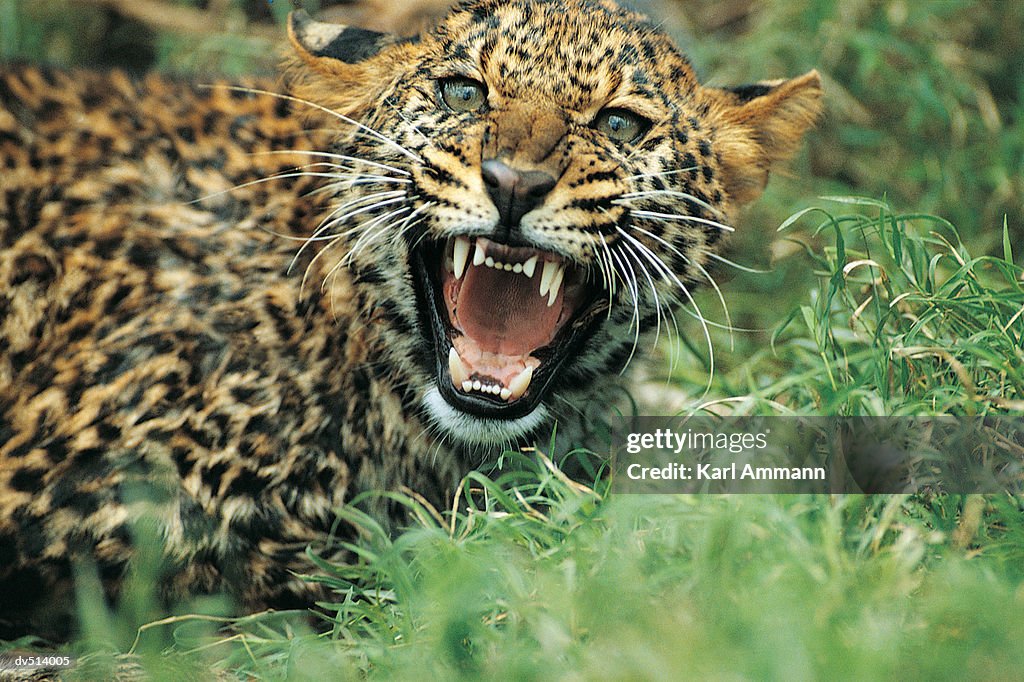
345 260
335 114
716 325
634 293
734 264
662 174
371 232
276 176
667 276
369 235
330 155
330 221
672 193
607 281
654 291
610 267
699 315
675 216
721 299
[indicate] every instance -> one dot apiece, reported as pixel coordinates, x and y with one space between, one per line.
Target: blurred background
924 104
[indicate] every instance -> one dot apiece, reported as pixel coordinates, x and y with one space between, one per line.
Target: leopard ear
326 47
761 125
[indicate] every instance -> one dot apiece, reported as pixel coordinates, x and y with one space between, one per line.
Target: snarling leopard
228 309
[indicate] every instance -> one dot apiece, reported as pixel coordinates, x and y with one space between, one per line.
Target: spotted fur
208 317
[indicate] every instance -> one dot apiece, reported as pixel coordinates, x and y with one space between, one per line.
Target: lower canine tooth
456 368
479 256
519 385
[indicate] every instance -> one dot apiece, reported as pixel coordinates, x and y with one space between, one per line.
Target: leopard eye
463 94
621 125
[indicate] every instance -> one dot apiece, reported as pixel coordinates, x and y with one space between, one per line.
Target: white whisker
699 315
721 299
734 264
661 174
330 221
676 216
341 117
329 155
633 289
672 193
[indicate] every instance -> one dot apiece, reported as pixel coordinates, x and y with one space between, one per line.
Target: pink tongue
504 312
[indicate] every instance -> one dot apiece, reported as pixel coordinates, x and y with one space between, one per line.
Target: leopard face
527 189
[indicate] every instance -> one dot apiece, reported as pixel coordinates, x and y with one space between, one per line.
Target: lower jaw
474 430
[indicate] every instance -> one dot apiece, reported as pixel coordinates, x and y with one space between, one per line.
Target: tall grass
551 580
903 319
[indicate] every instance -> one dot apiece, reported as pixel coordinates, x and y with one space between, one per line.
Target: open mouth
504 320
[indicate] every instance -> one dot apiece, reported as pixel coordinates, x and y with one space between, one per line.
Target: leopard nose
514 193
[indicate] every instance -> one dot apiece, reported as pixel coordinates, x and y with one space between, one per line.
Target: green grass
902 319
544 579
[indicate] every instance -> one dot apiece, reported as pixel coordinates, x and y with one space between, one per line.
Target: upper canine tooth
456 368
520 384
479 256
461 253
529 266
545 278
556 284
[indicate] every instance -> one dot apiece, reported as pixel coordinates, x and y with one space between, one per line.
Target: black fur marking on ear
745 93
345 43
353 45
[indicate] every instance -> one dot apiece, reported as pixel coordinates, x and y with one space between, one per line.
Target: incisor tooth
467 386
461 256
556 284
519 385
506 393
529 266
550 267
479 256
489 261
456 368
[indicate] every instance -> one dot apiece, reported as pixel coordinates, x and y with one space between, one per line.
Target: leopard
230 309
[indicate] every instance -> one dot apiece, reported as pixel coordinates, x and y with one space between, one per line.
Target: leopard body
178 359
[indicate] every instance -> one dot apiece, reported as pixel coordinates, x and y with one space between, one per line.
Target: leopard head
528 187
